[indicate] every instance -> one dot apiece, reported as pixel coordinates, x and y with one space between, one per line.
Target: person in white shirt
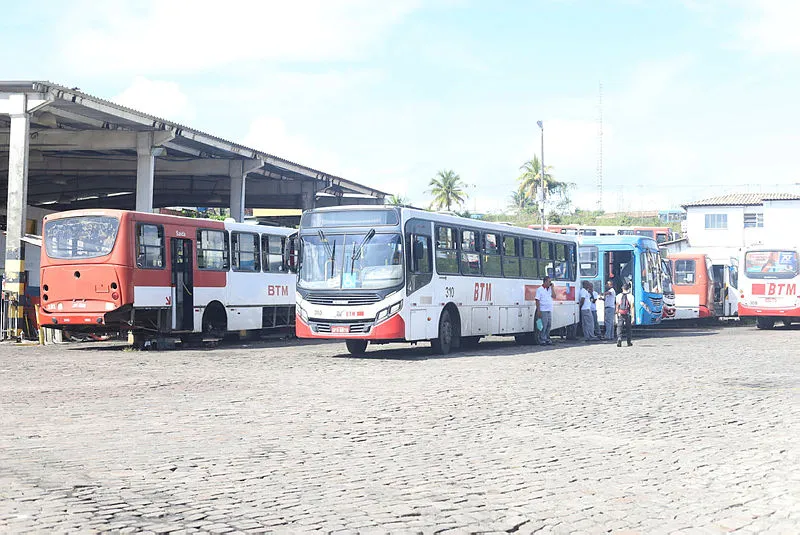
609 302
544 309
595 297
587 322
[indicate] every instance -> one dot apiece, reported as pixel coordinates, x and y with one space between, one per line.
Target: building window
716 221
753 220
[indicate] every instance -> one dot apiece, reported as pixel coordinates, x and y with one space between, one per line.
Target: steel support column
18 154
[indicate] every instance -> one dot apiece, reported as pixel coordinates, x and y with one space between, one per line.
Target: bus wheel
448 335
765 323
356 347
215 321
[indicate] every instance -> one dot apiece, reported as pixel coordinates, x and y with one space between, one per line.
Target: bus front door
182 285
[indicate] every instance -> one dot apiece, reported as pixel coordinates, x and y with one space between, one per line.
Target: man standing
595 297
544 309
624 308
610 301
586 312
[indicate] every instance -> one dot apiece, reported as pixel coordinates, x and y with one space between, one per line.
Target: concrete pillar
238 180
238 170
18 154
145 171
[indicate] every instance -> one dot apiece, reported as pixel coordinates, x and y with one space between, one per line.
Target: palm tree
447 190
530 180
396 200
521 202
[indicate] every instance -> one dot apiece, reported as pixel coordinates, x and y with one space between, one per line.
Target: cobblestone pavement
686 431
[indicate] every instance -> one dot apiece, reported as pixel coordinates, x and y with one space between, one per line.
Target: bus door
182 285
720 285
619 267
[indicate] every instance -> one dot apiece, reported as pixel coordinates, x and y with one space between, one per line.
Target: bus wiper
357 252
331 252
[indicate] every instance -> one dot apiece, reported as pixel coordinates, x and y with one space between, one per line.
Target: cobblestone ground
685 431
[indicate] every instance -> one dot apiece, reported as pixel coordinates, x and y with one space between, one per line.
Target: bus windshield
89 236
770 264
350 261
651 271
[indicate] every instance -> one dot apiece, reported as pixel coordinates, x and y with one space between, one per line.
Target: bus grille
342 299
655 303
355 328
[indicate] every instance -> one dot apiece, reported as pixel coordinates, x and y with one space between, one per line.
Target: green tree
530 183
396 200
447 190
521 203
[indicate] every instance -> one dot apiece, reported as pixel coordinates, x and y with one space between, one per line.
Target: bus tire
765 323
448 338
356 347
215 320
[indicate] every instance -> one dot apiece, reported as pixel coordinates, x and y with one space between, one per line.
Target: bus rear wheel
356 347
448 335
765 323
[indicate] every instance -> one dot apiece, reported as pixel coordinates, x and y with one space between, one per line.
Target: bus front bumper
393 328
766 311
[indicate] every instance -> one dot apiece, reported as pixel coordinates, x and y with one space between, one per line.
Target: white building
739 220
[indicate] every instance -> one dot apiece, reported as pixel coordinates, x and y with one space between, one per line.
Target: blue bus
620 258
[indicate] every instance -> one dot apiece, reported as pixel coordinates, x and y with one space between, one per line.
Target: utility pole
600 150
541 173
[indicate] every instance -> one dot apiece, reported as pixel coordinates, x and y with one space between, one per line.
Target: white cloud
773 26
199 35
160 98
269 134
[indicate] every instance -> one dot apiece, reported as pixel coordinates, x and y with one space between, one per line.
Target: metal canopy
83 154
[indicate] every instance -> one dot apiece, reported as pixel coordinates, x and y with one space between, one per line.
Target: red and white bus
768 285
157 275
379 275
659 234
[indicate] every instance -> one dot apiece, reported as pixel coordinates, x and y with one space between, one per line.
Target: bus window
246 256
684 272
149 246
510 256
545 259
661 237
212 250
446 251
588 261
470 258
529 268
421 255
491 256
563 258
272 252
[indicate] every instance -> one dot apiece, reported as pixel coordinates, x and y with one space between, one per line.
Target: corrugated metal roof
744 199
110 114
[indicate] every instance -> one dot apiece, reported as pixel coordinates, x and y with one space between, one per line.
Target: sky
699 97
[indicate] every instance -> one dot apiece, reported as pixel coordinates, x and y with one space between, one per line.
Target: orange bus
693 284
158 275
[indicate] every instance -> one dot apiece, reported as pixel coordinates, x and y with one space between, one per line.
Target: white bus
768 285
384 274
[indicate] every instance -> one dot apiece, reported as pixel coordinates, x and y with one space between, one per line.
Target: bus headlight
302 312
388 312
